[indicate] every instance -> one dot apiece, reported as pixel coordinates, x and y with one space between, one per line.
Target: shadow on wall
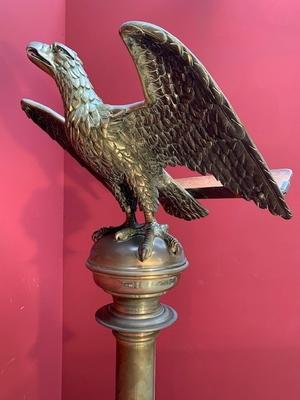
41 279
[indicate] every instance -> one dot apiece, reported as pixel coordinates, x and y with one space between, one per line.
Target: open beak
41 55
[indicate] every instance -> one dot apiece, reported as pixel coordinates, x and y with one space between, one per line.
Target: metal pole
135 369
136 315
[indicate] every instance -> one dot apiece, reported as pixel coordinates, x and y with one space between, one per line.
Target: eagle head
55 58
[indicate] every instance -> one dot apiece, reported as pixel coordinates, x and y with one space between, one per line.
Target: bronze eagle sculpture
184 120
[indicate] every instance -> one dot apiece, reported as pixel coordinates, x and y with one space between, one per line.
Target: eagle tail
178 202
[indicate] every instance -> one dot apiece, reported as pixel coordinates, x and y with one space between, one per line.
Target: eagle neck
76 90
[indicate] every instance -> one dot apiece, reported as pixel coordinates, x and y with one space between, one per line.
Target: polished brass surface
136 350
184 120
136 315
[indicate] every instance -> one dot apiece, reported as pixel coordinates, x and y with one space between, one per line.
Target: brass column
135 369
136 315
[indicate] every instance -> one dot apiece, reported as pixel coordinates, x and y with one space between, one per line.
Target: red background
31 212
238 333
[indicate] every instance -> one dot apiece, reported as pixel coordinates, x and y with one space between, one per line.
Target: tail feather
178 202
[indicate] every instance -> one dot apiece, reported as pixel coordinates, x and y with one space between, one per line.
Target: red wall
238 334
31 193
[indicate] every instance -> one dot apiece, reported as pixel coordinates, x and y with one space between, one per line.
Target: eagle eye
60 48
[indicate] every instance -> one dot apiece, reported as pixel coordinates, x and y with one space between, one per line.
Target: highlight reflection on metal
136 315
184 120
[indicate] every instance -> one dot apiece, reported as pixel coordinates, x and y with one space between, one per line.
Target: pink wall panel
238 333
31 195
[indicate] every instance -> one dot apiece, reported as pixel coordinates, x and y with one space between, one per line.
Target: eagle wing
187 120
54 125
50 121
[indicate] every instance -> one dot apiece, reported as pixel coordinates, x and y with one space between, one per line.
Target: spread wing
188 121
54 125
50 121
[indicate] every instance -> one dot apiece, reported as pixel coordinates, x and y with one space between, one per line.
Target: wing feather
54 125
50 121
193 122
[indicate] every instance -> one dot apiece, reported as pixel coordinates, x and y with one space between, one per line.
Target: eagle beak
41 55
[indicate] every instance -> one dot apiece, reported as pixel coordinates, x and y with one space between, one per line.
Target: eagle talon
145 252
122 232
97 235
150 231
172 244
126 233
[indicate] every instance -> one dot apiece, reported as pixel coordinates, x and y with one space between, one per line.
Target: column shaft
135 373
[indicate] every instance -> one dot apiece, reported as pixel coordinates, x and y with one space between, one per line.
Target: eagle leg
149 230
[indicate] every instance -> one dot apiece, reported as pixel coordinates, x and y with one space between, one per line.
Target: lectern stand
136 315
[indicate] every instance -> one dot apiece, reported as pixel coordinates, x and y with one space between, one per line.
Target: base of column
164 317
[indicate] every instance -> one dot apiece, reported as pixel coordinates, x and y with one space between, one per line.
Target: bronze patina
184 120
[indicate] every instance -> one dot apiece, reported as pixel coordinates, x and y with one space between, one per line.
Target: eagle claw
128 225
104 231
149 231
